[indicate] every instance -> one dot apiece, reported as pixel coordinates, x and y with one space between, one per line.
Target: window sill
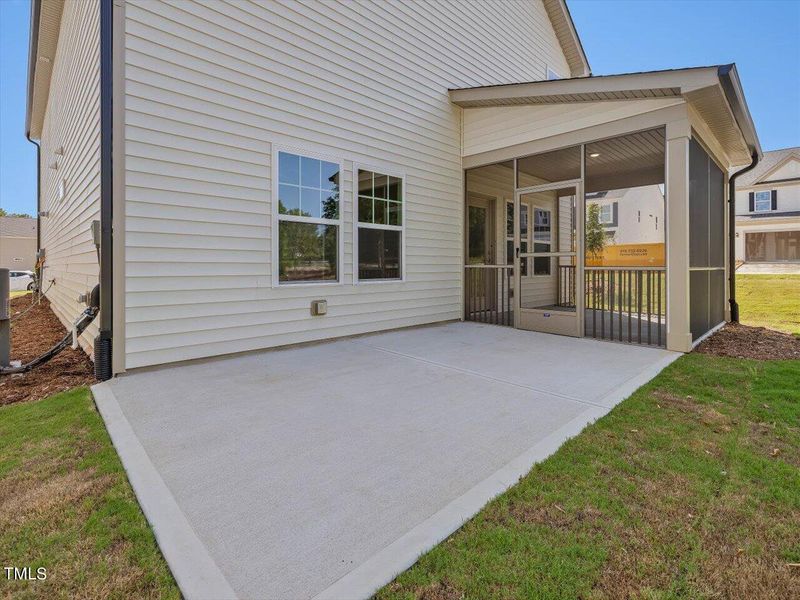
289 284
376 281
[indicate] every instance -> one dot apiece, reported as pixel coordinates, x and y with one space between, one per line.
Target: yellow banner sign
629 255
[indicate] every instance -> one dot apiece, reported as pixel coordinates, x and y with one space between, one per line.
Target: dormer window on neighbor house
764 201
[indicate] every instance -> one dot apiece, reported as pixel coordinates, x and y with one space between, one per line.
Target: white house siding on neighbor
640 214
70 181
779 174
214 89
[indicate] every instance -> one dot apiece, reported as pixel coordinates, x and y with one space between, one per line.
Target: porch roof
714 92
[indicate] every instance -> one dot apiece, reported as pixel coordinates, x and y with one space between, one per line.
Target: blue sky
761 36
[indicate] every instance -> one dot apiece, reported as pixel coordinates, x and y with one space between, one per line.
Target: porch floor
323 470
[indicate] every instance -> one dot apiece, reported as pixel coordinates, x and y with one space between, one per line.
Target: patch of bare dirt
744 562
766 441
32 334
652 539
741 341
37 499
553 515
441 590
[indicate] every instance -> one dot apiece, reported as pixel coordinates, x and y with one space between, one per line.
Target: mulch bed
741 341
31 335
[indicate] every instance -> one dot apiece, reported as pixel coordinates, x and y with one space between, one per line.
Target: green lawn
688 489
771 301
66 505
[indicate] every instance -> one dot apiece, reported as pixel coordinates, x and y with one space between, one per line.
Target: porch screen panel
698 206
716 291
698 303
488 256
706 241
624 239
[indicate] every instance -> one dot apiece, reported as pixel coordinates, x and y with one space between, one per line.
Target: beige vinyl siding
72 122
491 128
214 89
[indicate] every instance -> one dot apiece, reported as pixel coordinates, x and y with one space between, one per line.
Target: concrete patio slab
324 470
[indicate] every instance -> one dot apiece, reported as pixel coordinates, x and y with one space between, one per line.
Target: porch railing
566 286
626 305
487 294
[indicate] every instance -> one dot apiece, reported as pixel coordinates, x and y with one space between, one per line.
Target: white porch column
679 336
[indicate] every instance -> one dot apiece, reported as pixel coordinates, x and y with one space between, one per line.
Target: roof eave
587 69
33 43
732 87
678 81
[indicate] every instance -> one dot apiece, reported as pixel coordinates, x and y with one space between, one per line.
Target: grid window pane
364 209
329 176
541 265
365 183
289 168
378 253
395 188
395 213
381 185
288 199
309 172
330 205
307 252
380 214
309 202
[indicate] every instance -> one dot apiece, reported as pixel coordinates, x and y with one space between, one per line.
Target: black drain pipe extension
102 343
78 327
732 237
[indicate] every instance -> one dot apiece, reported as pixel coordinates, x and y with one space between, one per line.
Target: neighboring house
270 155
768 209
633 220
17 243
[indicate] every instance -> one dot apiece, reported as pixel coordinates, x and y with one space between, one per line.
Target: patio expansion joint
486 377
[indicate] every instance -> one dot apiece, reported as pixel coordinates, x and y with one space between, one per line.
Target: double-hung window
308 219
763 201
606 214
380 226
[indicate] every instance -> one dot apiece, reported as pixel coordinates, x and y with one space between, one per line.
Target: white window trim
383 170
769 201
277 218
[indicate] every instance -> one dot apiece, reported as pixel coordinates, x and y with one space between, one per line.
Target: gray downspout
732 237
33 43
38 200
102 343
